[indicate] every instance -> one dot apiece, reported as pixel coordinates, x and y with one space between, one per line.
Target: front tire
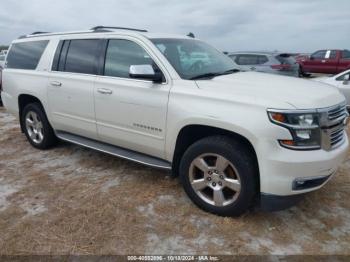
220 176
37 127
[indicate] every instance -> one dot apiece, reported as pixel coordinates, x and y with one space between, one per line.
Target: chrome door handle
56 83
104 91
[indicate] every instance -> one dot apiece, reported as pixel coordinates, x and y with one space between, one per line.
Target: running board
115 150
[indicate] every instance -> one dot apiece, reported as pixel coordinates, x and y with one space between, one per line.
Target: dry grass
72 200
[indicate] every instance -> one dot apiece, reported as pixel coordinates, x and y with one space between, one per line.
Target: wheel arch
189 134
23 100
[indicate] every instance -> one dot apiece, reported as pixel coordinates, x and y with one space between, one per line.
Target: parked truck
325 61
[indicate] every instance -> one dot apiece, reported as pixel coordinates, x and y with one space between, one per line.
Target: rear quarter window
26 55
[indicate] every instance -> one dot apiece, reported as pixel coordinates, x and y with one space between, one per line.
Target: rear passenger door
71 86
131 113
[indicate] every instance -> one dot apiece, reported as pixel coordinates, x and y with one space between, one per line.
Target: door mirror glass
144 72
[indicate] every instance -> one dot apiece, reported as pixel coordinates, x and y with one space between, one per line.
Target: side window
262 59
233 57
247 60
121 54
319 54
26 55
81 56
346 54
331 54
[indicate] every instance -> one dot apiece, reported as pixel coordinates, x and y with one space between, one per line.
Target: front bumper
285 172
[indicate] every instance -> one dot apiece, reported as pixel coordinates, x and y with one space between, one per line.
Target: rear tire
36 127
217 164
302 73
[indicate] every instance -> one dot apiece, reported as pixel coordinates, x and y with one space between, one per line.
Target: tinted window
81 56
121 54
346 54
26 55
286 59
333 54
319 54
247 60
262 59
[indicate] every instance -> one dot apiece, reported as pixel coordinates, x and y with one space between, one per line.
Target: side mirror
145 72
346 79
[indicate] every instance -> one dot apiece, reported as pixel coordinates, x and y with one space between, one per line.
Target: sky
230 25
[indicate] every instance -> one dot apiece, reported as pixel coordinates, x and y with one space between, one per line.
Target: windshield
192 58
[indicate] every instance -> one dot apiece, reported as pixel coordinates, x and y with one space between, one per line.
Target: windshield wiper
207 75
212 75
231 71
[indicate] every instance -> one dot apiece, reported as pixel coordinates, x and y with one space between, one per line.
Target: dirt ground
72 200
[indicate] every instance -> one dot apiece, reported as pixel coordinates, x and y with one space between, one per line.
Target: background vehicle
341 81
0 86
267 62
235 139
325 61
2 61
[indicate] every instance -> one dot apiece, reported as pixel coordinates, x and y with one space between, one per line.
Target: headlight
304 128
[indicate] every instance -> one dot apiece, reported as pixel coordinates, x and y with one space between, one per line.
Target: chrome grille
338 112
333 126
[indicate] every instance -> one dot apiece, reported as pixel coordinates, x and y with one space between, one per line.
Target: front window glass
121 54
192 58
319 54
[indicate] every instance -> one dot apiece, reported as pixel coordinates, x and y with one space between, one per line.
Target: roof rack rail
105 28
39 33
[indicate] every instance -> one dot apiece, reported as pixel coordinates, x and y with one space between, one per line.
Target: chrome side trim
115 150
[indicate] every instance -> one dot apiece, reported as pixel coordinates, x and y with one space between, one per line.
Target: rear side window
262 59
82 56
26 55
331 54
251 59
346 54
247 60
121 54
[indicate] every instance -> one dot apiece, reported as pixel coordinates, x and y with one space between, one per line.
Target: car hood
272 91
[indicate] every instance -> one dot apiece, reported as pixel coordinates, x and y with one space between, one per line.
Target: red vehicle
325 61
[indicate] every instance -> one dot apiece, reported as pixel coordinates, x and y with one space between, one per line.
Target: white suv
236 139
